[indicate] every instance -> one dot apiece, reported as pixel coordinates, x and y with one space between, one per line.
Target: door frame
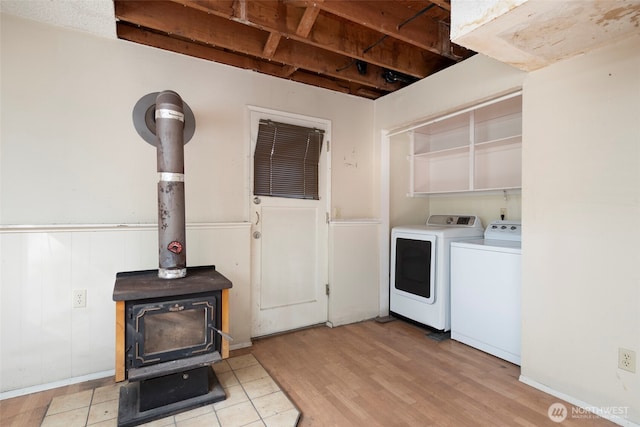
294 118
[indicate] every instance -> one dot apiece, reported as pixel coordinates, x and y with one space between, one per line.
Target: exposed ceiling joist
367 48
393 21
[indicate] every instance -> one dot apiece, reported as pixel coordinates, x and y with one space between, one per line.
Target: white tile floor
253 400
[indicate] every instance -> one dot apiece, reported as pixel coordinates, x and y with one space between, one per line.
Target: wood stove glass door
289 250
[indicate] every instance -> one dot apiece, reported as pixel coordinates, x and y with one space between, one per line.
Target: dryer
419 284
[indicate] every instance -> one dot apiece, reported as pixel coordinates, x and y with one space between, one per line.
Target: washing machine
486 289
419 285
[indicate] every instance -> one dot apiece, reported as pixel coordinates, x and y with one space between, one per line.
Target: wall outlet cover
79 298
627 359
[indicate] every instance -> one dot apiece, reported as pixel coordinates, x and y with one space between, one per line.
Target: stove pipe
169 119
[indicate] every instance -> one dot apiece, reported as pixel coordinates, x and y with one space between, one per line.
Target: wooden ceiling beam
208 28
271 45
390 19
185 47
329 32
443 4
307 21
287 71
341 45
172 44
337 85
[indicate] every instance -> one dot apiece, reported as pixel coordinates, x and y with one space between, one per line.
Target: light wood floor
390 374
373 374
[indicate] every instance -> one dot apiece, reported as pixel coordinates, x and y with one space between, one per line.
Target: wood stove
169 332
169 322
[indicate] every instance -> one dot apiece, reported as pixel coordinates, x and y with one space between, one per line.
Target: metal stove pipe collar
170 177
166 113
172 273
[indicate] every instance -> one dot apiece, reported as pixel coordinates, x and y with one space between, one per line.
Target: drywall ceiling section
91 16
531 34
473 14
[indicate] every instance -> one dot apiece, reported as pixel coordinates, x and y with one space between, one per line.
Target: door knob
256 235
256 200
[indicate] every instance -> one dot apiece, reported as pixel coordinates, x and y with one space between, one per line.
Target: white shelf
508 140
476 149
498 166
441 173
444 152
448 137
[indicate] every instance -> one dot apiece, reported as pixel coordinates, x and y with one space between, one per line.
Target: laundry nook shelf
474 149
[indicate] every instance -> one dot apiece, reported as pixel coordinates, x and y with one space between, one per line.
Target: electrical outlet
79 298
627 359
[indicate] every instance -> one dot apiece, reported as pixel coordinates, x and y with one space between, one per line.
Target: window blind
286 160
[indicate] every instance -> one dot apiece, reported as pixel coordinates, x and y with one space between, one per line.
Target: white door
289 269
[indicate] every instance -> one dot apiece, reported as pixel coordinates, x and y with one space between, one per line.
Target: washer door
413 272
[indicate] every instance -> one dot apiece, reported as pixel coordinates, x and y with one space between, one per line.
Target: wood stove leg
120 328
224 351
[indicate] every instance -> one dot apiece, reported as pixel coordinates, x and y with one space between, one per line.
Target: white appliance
419 285
485 291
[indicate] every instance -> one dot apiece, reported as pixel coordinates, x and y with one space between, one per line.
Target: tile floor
253 400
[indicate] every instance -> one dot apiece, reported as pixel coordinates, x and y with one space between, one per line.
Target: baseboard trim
48 386
601 412
238 346
75 380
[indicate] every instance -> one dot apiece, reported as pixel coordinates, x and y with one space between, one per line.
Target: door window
286 160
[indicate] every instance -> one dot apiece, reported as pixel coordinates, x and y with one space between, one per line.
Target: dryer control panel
454 221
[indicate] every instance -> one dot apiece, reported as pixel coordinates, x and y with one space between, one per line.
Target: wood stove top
135 285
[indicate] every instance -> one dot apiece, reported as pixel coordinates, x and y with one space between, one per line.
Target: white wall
403 209
69 154
486 205
581 208
67 133
464 84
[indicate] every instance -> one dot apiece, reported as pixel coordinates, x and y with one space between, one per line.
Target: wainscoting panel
44 339
353 270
